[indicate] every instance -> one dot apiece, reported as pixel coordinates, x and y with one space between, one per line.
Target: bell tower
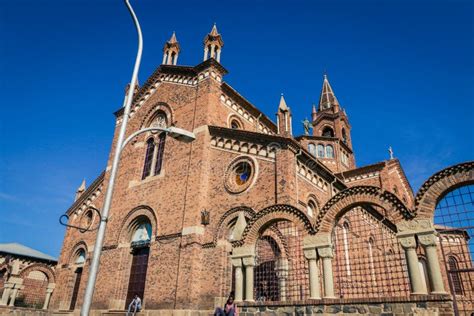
331 131
171 51
213 44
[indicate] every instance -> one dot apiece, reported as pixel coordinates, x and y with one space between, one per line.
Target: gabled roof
24 251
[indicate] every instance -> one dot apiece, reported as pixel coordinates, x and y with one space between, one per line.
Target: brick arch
280 241
80 245
39 267
142 210
270 215
441 183
228 216
159 106
357 196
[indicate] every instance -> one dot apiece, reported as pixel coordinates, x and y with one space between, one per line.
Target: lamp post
174 132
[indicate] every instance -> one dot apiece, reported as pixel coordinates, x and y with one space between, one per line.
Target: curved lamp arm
175 132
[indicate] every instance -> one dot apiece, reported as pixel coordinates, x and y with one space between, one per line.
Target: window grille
281 271
368 260
454 221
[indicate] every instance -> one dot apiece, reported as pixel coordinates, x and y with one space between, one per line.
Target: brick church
286 222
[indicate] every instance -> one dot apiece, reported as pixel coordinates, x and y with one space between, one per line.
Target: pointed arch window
150 149
329 151
345 236
320 151
371 260
344 136
160 153
455 277
311 208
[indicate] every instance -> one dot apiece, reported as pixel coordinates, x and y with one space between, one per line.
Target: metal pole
110 187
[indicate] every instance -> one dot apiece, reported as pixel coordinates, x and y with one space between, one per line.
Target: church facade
285 222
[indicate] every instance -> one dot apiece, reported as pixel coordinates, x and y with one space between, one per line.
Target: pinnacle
282 106
214 31
173 38
82 187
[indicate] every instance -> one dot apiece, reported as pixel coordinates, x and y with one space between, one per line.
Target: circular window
240 175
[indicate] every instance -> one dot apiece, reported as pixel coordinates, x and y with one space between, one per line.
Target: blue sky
403 70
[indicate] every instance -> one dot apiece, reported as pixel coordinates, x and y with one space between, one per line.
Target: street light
174 132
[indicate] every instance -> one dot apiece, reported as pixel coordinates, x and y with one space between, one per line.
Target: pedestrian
135 305
230 309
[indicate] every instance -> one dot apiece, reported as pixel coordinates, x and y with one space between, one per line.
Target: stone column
219 54
428 241
249 263
327 255
239 280
7 288
49 292
206 51
164 58
409 244
14 294
282 274
311 254
213 50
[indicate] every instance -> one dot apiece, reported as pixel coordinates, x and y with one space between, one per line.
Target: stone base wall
427 305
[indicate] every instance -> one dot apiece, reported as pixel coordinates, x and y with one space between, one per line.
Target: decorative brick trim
439 184
109 247
272 214
89 195
356 196
141 210
80 245
159 106
168 237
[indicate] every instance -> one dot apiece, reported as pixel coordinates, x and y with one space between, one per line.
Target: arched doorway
79 262
454 221
141 232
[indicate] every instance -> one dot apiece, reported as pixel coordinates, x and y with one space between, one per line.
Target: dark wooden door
136 285
75 291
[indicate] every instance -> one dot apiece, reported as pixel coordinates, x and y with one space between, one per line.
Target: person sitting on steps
230 309
135 306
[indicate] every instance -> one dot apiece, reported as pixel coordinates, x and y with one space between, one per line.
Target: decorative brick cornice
357 196
253 110
90 194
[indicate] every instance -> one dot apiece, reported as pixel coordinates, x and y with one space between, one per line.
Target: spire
313 112
214 31
327 98
283 107
171 51
284 118
173 39
213 44
80 189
